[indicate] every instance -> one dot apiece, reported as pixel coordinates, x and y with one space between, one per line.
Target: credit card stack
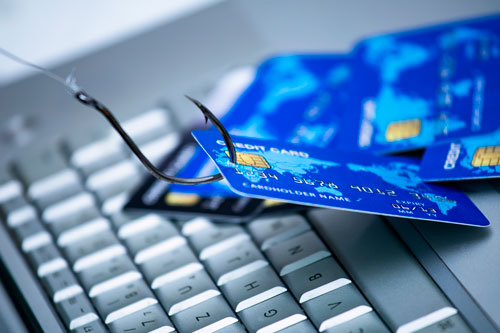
331 130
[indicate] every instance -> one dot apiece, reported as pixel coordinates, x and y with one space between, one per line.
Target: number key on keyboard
95 326
150 319
76 311
123 300
297 252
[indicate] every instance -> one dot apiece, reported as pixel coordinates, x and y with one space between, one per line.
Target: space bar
393 281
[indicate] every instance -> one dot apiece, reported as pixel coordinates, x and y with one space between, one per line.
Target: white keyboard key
31 235
45 172
113 174
195 225
235 262
150 236
146 126
109 274
17 211
233 328
68 207
157 149
215 240
93 151
268 232
83 230
305 326
76 311
446 319
272 315
95 326
316 279
71 221
208 316
92 250
253 288
61 285
170 266
297 252
181 294
46 259
10 188
124 300
150 319
368 322
115 203
336 307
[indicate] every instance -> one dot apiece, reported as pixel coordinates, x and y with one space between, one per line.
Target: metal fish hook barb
88 100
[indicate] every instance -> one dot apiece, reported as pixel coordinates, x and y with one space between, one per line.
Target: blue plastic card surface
296 98
467 158
430 85
323 177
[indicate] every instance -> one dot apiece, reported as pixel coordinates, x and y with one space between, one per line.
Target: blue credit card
322 177
423 86
308 91
467 158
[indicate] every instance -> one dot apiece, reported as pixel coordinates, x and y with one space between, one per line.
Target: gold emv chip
182 199
486 156
252 160
400 130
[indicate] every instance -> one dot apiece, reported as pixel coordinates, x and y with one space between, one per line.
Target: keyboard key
336 307
253 288
195 225
95 326
272 315
443 320
71 221
31 235
235 262
170 266
115 204
61 285
316 279
17 211
368 322
211 241
157 149
76 311
297 252
365 240
268 232
46 259
10 188
146 320
120 177
49 199
108 274
79 231
186 292
91 151
209 316
304 326
45 172
92 250
69 207
233 328
146 126
150 236
124 300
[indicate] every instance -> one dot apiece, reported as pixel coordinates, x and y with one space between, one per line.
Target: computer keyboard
106 270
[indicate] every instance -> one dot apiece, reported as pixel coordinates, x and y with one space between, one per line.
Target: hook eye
88 100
